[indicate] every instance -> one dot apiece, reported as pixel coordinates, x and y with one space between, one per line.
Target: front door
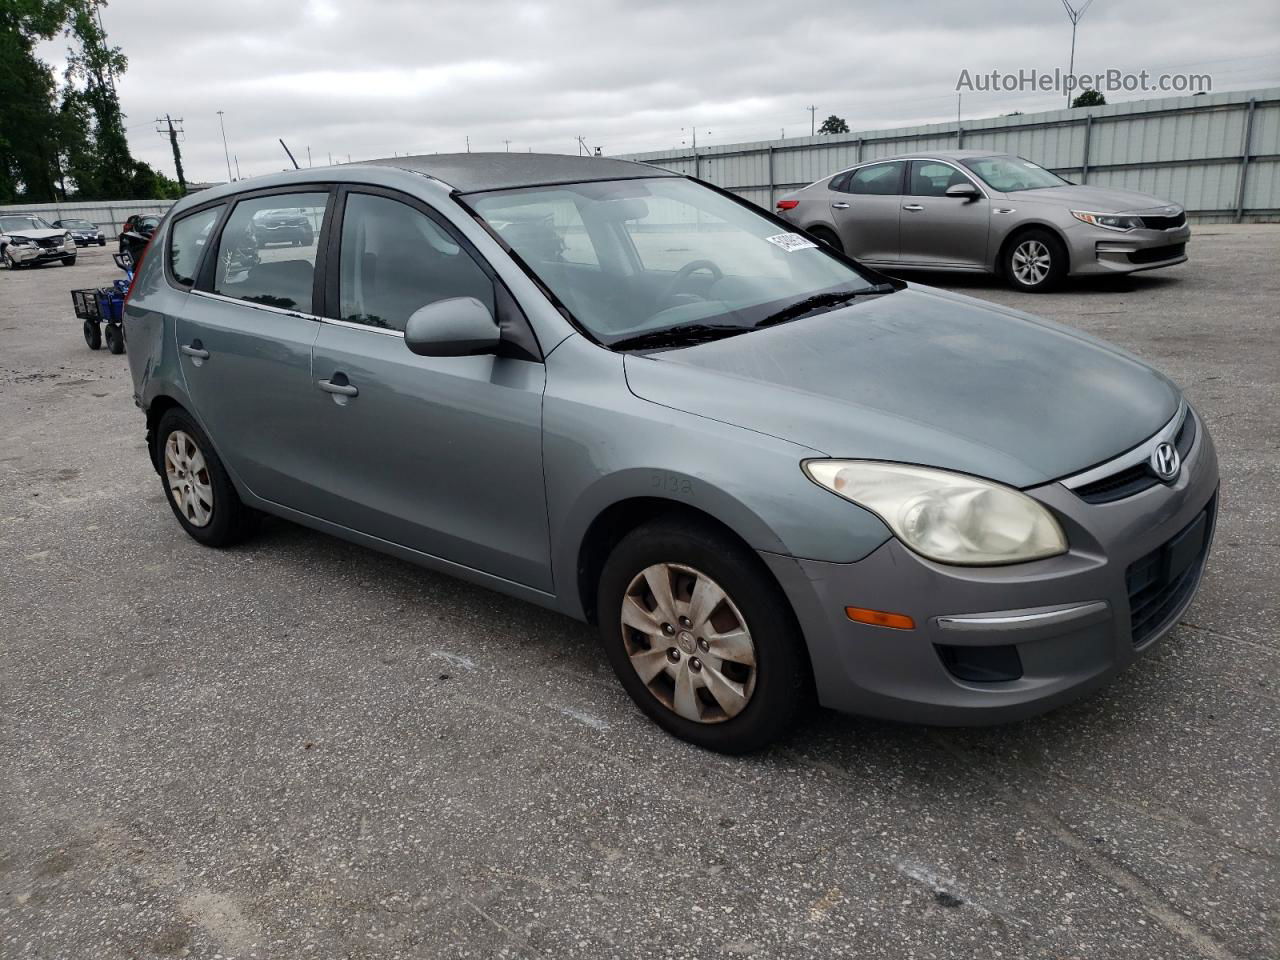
244 341
938 230
867 210
441 455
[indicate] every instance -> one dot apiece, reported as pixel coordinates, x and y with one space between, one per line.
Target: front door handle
839 205
339 386
913 207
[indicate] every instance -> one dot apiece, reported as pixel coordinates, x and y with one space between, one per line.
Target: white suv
26 239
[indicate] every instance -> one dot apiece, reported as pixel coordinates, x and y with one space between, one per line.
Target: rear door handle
913 207
839 205
343 389
195 350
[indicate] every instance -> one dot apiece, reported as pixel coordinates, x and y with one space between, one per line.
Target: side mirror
965 190
461 327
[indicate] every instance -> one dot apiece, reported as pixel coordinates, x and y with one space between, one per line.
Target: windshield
1011 174
631 258
10 224
77 223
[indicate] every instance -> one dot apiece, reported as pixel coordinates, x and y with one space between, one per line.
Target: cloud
400 76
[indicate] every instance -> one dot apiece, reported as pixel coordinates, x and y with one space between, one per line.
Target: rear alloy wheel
196 485
701 637
1035 262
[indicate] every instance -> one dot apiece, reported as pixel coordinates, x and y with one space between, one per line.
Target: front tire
1035 261
196 484
9 262
702 638
68 261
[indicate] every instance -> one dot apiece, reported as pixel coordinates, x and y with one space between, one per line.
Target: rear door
439 454
866 211
937 230
245 338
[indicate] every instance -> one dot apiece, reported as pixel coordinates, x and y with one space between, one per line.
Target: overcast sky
376 77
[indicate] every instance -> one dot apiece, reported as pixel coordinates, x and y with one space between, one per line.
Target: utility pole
508 145
174 133
308 157
225 151
1074 14
813 120
238 177
468 144
582 147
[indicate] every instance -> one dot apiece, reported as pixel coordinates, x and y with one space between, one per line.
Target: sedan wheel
187 476
1031 262
688 643
1035 261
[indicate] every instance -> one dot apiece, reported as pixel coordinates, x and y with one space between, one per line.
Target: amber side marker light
879 618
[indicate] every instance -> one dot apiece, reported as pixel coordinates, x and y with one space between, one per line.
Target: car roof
475 172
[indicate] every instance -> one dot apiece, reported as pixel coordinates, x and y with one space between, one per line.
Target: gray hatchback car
968 210
769 475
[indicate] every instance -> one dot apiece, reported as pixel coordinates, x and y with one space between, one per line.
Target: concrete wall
1191 150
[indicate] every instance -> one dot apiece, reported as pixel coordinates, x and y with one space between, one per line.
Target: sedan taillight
788 204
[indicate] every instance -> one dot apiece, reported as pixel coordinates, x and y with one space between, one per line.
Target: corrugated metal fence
110 215
1218 154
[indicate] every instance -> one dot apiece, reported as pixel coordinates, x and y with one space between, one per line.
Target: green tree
92 68
1090 98
834 124
29 123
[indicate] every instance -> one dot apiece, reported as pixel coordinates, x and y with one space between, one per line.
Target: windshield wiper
821 301
682 336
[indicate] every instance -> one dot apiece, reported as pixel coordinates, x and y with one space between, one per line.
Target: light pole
1074 15
225 151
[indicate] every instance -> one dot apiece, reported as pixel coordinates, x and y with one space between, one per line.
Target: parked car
82 231
768 474
26 240
282 226
974 211
136 231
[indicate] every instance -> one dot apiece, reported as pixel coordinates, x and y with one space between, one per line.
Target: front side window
929 178
1011 174
396 260
667 254
267 250
187 241
879 179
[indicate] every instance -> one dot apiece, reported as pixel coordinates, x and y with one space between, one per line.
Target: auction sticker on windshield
791 242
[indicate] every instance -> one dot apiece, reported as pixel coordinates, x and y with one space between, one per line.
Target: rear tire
93 334
829 237
1034 261
665 652
196 484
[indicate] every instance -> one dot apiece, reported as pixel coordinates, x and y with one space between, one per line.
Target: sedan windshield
11 224
79 224
655 262
1011 174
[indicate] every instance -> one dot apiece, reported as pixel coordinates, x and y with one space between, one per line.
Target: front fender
603 445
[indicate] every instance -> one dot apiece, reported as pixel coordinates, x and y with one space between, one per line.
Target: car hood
37 234
1094 199
922 376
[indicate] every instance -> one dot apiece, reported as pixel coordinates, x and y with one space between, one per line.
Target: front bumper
32 253
1067 617
1098 251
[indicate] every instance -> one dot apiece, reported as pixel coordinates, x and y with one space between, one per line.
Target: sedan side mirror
966 190
460 327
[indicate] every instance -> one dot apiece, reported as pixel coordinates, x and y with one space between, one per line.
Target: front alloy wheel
688 643
1031 262
188 480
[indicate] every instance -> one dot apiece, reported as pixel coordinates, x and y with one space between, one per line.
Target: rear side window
879 179
396 260
267 251
187 241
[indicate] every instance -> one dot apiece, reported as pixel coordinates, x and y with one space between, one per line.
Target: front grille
1133 480
1158 591
1164 223
1156 254
50 242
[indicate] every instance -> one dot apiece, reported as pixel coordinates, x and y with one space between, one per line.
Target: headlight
947 517
1111 221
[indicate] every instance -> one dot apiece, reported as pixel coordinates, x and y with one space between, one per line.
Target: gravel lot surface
299 748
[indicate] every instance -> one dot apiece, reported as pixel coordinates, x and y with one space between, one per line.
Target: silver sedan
967 210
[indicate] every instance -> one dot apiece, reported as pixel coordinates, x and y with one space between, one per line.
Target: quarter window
929 178
267 251
396 260
187 241
879 179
